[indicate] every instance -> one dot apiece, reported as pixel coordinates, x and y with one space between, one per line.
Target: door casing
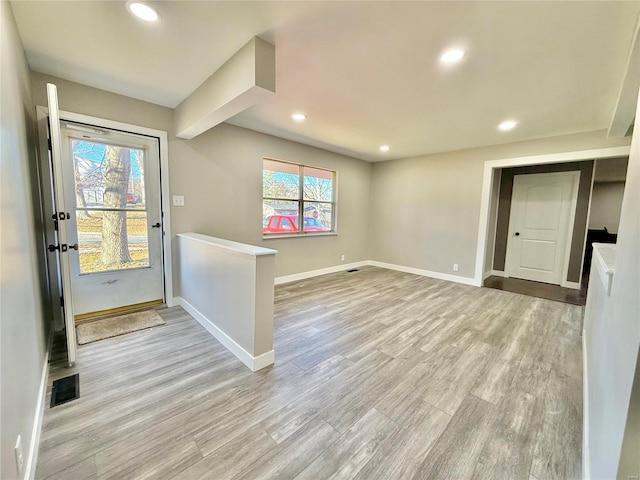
42 119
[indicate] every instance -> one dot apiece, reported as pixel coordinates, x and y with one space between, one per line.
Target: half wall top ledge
241 82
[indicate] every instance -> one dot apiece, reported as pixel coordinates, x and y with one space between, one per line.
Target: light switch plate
178 200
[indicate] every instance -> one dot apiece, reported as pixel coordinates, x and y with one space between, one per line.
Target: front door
112 185
540 226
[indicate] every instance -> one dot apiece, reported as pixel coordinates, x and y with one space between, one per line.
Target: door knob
517 234
157 225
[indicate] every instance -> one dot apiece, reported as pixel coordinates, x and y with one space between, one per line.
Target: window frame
301 201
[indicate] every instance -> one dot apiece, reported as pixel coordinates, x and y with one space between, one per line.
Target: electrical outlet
455 267
178 200
19 455
342 258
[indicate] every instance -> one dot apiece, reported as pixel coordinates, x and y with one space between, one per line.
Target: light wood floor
379 375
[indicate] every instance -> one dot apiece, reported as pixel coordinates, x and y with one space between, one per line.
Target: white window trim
334 204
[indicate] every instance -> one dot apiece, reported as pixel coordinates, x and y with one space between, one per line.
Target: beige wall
220 175
578 235
425 210
606 203
22 322
77 98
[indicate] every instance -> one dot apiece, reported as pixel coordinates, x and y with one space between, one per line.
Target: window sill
276 236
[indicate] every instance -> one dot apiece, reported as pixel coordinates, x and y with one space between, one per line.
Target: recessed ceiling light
299 117
507 125
384 148
142 11
452 56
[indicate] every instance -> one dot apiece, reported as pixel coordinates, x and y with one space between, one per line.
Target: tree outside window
292 191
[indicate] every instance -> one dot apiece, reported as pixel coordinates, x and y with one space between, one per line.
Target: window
291 191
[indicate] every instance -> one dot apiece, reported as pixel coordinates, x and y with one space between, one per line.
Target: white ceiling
365 73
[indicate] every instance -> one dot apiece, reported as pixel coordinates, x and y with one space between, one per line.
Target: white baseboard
254 363
401 268
574 285
32 454
426 273
322 271
586 466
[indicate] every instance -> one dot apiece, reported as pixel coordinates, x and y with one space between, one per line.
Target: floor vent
352 270
65 389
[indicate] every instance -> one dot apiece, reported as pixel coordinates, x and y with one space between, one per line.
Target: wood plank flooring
379 375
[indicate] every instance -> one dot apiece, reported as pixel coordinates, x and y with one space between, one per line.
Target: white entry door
540 226
112 185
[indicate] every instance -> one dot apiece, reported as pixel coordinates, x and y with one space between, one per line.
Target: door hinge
62 301
49 144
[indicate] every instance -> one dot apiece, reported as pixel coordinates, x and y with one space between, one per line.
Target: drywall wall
606 203
616 364
220 175
425 210
23 330
578 235
77 98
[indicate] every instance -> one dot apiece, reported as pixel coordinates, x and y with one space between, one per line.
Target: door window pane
112 240
108 176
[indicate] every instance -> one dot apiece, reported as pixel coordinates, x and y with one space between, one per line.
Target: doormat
120 325
64 390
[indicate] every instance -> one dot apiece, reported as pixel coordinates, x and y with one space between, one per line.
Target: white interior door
540 226
62 247
112 185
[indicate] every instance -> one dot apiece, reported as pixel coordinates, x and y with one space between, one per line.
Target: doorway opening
112 188
606 204
114 184
491 257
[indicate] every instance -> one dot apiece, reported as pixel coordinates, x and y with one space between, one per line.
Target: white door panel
540 226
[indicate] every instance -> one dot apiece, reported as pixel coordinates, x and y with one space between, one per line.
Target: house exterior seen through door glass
112 188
